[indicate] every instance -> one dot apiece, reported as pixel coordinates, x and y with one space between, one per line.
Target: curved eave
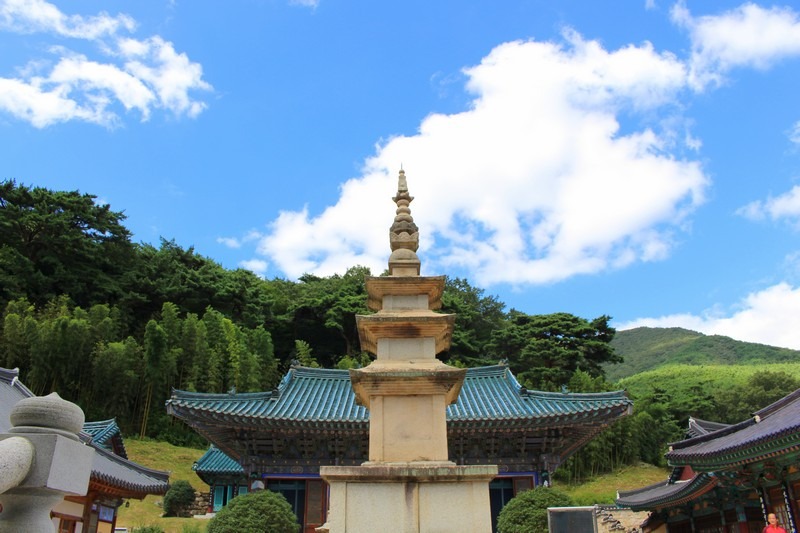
748 452
116 487
774 430
660 495
602 415
119 477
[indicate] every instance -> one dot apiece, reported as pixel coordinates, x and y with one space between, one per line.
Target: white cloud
761 317
533 184
749 35
89 77
44 107
171 74
794 135
33 16
130 73
256 266
305 3
234 242
785 206
230 242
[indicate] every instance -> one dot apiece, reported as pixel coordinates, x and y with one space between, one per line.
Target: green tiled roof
215 463
106 434
314 397
312 418
102 431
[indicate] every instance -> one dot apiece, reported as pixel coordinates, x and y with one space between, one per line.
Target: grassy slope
677 378
646 349
603 489
162 456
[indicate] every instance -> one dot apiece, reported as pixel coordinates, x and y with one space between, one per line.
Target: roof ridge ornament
403 234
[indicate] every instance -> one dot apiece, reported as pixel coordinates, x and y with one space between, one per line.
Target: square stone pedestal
420 497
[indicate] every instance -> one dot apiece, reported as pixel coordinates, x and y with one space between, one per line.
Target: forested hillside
645 349
115 325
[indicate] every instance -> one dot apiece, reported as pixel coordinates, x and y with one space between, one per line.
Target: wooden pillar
87 511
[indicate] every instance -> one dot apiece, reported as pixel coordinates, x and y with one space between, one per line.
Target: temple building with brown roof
726 478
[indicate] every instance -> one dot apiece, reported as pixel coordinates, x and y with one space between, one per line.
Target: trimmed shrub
262 510
148 529
178 499
527 511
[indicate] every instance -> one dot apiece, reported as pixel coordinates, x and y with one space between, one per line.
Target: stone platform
429 497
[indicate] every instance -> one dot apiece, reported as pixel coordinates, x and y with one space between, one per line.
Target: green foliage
544 351
262 510
303 354
761 389
54 243
148 529
477 316
645 349
355 361
527 511
179 498
719 393
115 326
320 311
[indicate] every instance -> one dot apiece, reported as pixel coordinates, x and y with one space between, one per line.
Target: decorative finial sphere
48 412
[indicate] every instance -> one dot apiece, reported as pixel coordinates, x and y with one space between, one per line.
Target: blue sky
632 158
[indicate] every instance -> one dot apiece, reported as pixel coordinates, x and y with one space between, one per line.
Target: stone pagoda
408 485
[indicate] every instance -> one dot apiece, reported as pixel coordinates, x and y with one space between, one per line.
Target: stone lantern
41 460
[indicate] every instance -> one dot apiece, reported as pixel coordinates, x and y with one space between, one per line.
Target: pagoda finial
404 234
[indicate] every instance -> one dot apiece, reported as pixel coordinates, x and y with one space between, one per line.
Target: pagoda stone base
423 497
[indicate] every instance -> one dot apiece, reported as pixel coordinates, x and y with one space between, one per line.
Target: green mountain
645 349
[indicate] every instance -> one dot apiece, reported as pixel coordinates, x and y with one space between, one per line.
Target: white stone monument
41 460
409 485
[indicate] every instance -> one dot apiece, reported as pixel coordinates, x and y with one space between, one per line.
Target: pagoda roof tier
314 403
380 286
415 377
405 325
774 430
669 494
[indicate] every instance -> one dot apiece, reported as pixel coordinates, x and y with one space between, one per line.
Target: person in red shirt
772 525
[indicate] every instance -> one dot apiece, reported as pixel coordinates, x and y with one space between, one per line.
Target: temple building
727 478
282 437
113 478
326 438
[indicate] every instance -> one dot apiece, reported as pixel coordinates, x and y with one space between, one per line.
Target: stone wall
613 520
201 502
